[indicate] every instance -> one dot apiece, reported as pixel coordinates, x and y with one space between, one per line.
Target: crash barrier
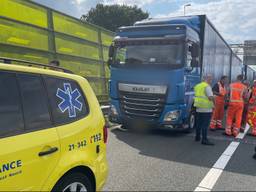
105 109
33 32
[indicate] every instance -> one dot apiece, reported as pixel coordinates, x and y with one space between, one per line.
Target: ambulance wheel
74 182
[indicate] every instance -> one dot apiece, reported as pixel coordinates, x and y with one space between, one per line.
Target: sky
234 19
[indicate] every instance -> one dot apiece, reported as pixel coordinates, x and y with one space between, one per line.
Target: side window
11 119
121 55
35 105
67 100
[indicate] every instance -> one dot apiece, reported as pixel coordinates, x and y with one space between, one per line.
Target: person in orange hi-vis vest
246 104
219 91
251 116
235 107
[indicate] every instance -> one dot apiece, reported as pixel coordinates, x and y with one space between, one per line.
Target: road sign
250 52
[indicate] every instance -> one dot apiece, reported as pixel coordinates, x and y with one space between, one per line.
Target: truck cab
154 66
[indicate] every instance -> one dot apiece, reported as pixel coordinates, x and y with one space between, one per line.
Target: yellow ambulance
52 131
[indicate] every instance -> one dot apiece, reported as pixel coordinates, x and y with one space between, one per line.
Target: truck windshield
150 53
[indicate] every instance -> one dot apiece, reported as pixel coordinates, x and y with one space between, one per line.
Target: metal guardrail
52 26
105 109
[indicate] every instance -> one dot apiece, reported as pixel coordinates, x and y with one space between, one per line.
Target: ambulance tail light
105 134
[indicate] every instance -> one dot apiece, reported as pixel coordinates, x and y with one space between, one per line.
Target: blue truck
156 63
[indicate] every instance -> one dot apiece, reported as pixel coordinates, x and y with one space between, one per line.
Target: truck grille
142 106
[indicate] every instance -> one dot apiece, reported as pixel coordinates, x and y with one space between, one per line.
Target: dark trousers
202 125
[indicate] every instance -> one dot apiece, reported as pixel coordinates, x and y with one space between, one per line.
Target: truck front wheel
191 121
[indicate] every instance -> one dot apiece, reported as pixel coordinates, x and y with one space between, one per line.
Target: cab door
191 76
29 146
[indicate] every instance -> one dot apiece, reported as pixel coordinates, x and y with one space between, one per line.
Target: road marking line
213 175
211 178
202 189
231 148
226 155
242 135
222 162
105 106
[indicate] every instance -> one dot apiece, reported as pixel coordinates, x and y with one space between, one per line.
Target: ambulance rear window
66 99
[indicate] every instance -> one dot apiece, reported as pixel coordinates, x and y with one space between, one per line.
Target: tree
113 16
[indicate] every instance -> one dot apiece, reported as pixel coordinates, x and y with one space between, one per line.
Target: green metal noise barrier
33 32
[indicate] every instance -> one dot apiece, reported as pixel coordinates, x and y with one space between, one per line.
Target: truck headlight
172 116
113 110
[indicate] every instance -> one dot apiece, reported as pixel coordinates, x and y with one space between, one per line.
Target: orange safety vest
253 97
222 92
236 92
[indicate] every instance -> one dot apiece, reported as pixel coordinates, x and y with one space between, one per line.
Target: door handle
50 151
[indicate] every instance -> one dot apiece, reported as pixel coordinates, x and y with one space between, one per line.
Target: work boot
253 132
254 156
207 142
220 128
197 139
236 132
228 131
226 134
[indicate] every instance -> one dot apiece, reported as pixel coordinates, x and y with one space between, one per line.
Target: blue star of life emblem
69 99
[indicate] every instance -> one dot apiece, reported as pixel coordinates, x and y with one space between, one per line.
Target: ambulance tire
79 179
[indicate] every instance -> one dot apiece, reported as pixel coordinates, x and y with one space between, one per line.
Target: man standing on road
235 107
219 92
251 117
254 156
246 104
203 102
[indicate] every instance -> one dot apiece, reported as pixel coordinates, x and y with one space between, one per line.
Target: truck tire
191 121
74 182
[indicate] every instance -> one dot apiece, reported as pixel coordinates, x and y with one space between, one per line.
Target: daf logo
153 89
141 89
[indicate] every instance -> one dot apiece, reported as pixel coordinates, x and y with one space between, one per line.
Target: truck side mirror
109 62
195 50
111 51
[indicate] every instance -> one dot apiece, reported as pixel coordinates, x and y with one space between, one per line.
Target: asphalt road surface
165 160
